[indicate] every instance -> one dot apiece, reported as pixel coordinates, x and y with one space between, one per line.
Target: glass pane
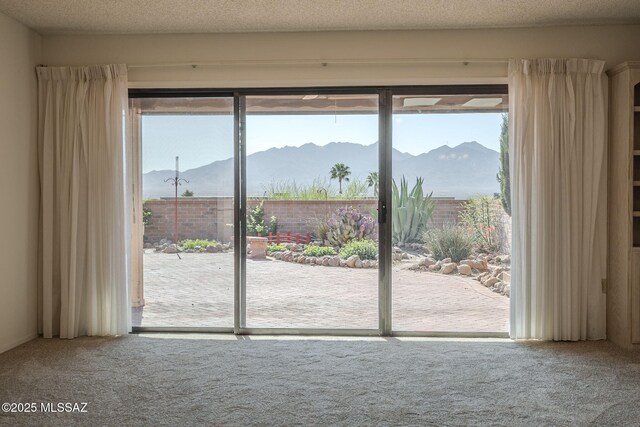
312 164
451 233
188 142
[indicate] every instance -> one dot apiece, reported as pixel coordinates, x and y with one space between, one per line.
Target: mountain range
462 171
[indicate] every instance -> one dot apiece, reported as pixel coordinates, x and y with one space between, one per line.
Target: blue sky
201 139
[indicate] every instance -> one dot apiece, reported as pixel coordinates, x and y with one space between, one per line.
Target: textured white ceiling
189 16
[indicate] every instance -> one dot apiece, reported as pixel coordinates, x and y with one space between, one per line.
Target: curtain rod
324 62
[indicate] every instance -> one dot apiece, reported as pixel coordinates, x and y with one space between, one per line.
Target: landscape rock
171 249
490 281
214 248
358 263
351 261
478 264
417 246
448 268
334 261
464 269
484 276
434 267
470 262
496 272
426 262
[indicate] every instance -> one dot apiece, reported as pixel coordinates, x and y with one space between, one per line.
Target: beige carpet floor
179 380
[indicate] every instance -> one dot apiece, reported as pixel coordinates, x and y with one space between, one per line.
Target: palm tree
340 171
373 181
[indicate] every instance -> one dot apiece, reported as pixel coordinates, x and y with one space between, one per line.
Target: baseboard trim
19 341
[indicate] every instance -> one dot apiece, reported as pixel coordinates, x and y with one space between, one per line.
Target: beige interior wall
350 58
19 51
294 59
278 59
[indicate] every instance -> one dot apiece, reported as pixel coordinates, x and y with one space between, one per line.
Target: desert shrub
483 215
276 248
256 224
190 244
273 225
318 251
348 224
411 211
365 249
450 241
319 228
255 221
290 190
146 215
503 172
356 189
319 189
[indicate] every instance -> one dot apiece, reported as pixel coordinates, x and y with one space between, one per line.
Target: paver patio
197 290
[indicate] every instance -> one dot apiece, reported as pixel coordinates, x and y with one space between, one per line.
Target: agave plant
347 224
412 211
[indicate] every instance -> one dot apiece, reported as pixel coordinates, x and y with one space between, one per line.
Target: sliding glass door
311 211
330 210
450 228
186 187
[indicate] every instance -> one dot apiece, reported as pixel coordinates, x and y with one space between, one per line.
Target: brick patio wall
299 216
198 218
446 211
210 217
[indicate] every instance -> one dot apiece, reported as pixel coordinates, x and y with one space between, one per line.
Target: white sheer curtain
557 151
84 211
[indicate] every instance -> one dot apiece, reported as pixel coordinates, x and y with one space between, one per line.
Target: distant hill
464 170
